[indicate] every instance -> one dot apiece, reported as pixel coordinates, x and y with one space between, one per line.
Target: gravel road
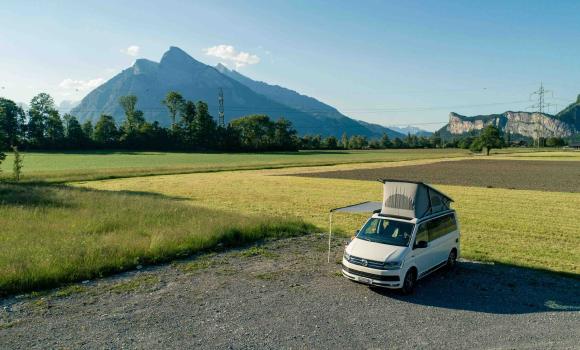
283 294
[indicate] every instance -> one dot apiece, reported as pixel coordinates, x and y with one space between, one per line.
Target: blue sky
388 62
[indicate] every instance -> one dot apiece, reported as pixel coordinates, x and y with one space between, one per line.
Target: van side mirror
421 244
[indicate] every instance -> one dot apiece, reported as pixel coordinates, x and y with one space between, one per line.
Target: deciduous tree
106 132
12 119
41 107
174 103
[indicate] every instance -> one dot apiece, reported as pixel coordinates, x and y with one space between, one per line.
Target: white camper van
413 234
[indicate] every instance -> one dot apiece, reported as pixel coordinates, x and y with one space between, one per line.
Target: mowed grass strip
55 234
84 166
520 227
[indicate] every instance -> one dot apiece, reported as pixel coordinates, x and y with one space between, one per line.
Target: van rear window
387 231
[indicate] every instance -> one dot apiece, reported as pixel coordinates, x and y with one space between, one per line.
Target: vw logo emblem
364 262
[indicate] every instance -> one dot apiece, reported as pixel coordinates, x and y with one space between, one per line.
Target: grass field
520 227
56 234
83 166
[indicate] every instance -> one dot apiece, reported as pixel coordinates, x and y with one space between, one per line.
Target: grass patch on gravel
257 251
201 263
51 235
70 290
135 283
268 276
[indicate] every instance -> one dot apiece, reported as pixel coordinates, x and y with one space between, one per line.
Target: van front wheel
452 259
409 282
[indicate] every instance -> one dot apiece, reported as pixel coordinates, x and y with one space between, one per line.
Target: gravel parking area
283 294
556 176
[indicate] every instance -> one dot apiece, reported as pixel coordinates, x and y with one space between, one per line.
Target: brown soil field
554 176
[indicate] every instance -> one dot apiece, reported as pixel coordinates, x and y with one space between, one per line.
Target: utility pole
540 108
221 121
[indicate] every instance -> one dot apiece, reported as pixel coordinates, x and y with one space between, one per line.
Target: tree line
192 128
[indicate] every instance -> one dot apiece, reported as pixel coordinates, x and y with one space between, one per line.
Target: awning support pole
329 236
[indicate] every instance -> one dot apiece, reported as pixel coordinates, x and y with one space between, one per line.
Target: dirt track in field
554 176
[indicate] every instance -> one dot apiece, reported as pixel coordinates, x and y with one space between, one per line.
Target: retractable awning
364 207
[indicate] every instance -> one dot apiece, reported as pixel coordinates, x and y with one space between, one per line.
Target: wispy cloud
229 54
80 85
132 50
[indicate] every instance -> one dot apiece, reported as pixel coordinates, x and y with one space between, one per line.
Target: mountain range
528 124
177 71
412 130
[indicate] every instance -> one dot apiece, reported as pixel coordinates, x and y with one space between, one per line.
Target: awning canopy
364 207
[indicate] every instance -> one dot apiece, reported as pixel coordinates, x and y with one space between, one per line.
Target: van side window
441 226
422 234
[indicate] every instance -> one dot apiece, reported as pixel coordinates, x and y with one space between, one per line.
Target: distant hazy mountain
66 106
413 130
177 71
309 105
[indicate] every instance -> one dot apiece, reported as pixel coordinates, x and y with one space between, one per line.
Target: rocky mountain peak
221 68
144 66
177 58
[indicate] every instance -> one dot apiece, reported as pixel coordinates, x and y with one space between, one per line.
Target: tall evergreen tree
54 130
187 123
88 130
73 132
204 126
436 139
386 141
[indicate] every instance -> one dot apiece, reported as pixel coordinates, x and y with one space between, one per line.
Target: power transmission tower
221 121
540 108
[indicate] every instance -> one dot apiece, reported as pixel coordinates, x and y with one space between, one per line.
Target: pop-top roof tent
401 199
410 200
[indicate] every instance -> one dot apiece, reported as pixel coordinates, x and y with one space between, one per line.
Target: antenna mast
221 121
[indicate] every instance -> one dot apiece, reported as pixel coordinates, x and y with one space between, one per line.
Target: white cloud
229 54
80 85
132 50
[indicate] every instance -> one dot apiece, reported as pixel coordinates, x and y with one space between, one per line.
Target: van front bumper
387 281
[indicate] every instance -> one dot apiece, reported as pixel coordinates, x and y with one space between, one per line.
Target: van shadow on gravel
495 289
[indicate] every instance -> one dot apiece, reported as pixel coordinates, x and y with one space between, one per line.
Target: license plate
365 280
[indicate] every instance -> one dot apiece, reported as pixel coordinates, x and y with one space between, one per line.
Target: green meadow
59 233
84 166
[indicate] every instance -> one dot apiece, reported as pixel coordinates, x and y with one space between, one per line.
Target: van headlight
346 256
393 265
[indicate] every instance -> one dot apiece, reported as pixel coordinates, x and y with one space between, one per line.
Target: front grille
369 263
371 275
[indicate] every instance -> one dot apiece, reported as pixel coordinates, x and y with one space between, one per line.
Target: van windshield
387 231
